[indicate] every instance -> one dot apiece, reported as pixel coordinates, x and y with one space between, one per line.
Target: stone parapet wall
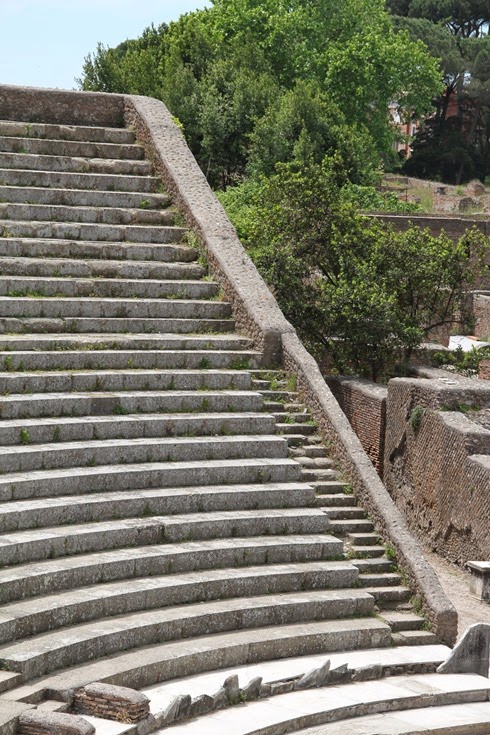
437 463
254 307
255 310
364 404
61 106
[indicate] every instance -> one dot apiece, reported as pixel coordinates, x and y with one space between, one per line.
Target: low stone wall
364 404
437 463
61 106
454 227
484 371
257 313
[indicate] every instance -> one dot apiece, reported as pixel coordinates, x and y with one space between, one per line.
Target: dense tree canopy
453 145
365 294
319 72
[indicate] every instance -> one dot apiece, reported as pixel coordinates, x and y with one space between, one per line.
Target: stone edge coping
255 308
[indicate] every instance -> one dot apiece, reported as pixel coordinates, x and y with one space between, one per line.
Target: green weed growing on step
24 436
120 410
204 364
57 434
390 552
144 204
292 383
7 364
416 418
240 363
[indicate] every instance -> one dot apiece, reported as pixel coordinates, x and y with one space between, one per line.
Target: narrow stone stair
153 523
361 545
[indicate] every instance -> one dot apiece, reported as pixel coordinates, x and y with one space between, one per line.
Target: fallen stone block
53 723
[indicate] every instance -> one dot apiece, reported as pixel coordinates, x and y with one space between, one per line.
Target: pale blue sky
44 42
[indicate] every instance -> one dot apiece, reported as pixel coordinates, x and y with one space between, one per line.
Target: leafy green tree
464 18
453 147
302 124
354 288
225 72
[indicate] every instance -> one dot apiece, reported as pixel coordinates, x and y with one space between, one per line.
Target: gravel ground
456 584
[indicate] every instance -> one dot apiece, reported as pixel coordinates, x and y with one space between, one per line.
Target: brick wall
364 404
484 372
481 312
437 463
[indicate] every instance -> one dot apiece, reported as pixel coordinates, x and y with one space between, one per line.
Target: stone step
106 288
401 621
43 512
370 552
296 429
414 638
89 325
470 718
68 429
77 250
60 541
320 463
364 538
128 359
95 342
30 458
318 451
84 181
66 132
46 653
383 579
344 513
82 197
391 595
380 663
35 616
78 148
8 680
90 231
99 268
422 704
53 213
344 527
112 478
317 475
330 487
335 500
83 570
376 565
120 403
79 165
161 662
93 308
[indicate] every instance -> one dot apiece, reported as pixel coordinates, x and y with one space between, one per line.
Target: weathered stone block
51 723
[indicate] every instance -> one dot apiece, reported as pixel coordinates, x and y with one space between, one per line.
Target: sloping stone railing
255 309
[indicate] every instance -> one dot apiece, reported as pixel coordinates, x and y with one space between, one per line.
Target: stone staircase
166 507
